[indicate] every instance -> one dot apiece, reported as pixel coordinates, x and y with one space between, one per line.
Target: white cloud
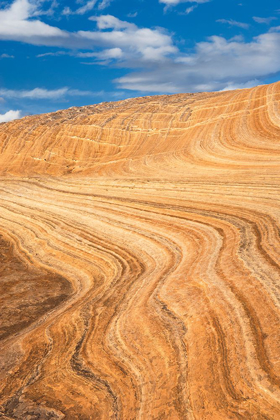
7 56
104 4
135 43
274 29
87 7
81 10
132 15
267 21
247 85
215 64
49 11
234 23
115 39
39 93
175 2
111 22
171 3
106 54
190 9
52 54
10 116
111 53
16 25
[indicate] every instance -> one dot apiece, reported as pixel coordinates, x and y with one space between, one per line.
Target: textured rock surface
139 250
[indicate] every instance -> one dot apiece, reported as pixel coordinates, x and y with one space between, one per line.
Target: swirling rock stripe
142 280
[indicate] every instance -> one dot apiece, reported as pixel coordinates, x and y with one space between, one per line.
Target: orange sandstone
139 250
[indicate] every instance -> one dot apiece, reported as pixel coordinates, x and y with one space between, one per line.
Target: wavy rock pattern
139 249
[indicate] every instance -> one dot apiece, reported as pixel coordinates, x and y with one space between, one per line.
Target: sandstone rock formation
139 250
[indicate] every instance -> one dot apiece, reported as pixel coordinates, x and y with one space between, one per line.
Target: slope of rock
139 250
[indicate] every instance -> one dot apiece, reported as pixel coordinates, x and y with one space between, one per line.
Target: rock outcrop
140 260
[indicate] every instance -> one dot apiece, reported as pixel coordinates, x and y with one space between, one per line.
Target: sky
56 54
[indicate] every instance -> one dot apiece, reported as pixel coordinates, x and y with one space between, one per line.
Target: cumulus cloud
234 23
215 64
111 22
10 116
120 40
132 42
39 93
17 23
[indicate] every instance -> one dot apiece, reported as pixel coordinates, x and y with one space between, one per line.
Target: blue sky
56 53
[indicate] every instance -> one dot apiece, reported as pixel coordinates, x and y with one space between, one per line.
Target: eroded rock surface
139 260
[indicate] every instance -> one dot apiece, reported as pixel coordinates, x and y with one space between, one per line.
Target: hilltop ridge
112 137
